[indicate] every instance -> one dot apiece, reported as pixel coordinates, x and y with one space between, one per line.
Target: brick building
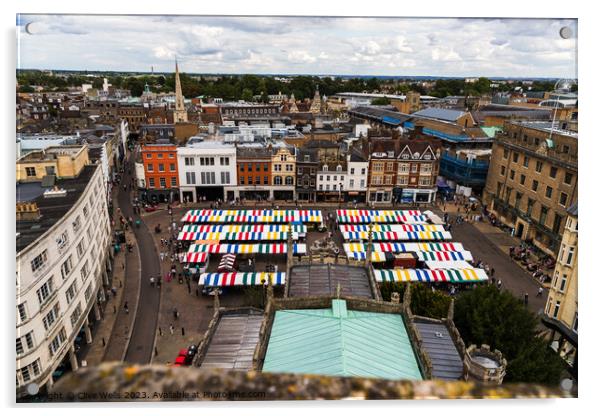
532 180
160 172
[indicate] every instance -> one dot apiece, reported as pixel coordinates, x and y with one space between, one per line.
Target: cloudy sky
295 45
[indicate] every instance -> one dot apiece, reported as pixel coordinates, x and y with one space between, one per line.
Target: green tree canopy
381 101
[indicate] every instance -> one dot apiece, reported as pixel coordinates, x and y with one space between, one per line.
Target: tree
381 101
424 301
486 315
247 94
26 88
97 83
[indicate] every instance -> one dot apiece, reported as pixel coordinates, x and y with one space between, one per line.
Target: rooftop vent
55 192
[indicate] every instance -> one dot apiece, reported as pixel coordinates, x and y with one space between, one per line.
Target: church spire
180 114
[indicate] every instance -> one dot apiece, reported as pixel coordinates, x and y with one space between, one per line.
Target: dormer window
416 155
405 156
390 154
427 156
339 168
325 168
306 158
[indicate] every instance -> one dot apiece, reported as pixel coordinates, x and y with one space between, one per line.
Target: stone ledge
112 382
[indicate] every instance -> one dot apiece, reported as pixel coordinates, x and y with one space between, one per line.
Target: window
162 183
225 177
45 291
568 178
535 185
503 170
85 211
328 178
257 180
172 167
321 187
51 317
402 180
76 314
242 180
517 200
62 240
174 182
33 369
414 168
562 283
88 292
71 291
543 215
67 267
526 161
149 167
25 343
278 168
161 167
388 179
378 166
22 311
224 161
85 271
57 342
39 261
277 180
151 182
190 178
299 171
351 183
289 180
522 179
515 157
77 224
506 153
283 158
242 167
569 256
549 192
80 248
556 309
389 166
363 183
289 168
159 155
327 187
530 205
553 171
352 171
170 155
562 199
266 181
189 161
265 167
512 174
538 166
30 171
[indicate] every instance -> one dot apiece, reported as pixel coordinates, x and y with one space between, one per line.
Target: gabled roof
341 342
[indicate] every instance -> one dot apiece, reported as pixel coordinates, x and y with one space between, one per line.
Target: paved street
140 346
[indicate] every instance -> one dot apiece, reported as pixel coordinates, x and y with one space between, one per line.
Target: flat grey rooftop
233 343
446 360
322 280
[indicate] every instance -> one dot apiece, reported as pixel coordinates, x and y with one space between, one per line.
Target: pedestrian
162 256
526 298
175 313
114 291
125 307
159 282
152 281
492 271
499 284
539 291
171 329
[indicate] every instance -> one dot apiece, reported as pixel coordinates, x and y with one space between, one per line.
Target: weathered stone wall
113 382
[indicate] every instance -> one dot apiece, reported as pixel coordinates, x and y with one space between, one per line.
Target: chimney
27 211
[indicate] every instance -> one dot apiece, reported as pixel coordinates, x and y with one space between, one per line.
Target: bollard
183 333
160 332
156 352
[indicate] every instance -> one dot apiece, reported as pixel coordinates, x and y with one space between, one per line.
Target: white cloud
366 46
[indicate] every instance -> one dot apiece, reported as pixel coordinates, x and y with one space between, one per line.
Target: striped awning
241 279
252 216
278 248
437 256
390 227
426 275
399 236
452 264
403 247
198 257
189 231
358 216
235 236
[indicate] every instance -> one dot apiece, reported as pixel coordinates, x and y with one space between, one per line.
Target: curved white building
63 246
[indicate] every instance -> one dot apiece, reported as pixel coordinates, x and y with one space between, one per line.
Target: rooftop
51 209
341 342
437 341
547 126
323 279
439 114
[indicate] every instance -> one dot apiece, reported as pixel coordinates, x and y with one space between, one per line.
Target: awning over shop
391 227
279 248
399 236
403 247
359 216
236 236
241 279
252 216
453 264
426 275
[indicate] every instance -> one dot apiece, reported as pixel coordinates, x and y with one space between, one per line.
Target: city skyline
437 47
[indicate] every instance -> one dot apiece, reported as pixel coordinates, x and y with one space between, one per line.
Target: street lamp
340 194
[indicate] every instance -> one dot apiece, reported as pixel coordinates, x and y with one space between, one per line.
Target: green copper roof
340 342
490 131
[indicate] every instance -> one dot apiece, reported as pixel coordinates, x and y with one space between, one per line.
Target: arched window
289 180
325 168
277 180
339 168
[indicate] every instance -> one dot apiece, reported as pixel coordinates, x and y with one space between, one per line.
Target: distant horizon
412 77
504 48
